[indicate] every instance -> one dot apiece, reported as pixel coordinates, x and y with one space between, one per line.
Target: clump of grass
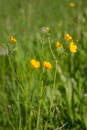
44 68
43 76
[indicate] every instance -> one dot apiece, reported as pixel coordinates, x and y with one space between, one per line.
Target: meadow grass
43 99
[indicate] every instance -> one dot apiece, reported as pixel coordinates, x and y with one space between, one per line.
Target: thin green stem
40 101
53 91
42 52
38 117
14 72
59 128
12 68
51 49
54 85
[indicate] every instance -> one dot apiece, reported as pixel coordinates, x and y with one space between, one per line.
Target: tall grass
43 99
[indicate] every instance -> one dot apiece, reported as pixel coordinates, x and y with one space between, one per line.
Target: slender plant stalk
40 101
12 68
60 128
54 85
51 49
39 111
42 52
53 90
38 117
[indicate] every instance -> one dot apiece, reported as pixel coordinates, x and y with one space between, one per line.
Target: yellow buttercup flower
47 65
12 40
58 45
73 47
35 64
72 4
68 37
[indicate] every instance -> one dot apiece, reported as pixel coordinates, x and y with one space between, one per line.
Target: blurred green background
24 19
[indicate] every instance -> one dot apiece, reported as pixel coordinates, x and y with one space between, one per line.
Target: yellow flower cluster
12 40
36 64
72 4
47 65
58 45
68 37
73 46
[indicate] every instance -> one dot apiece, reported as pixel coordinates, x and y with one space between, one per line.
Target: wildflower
15 49
58 45
45 29
47 65
72 4
68 37
73 47
12 40
35 64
